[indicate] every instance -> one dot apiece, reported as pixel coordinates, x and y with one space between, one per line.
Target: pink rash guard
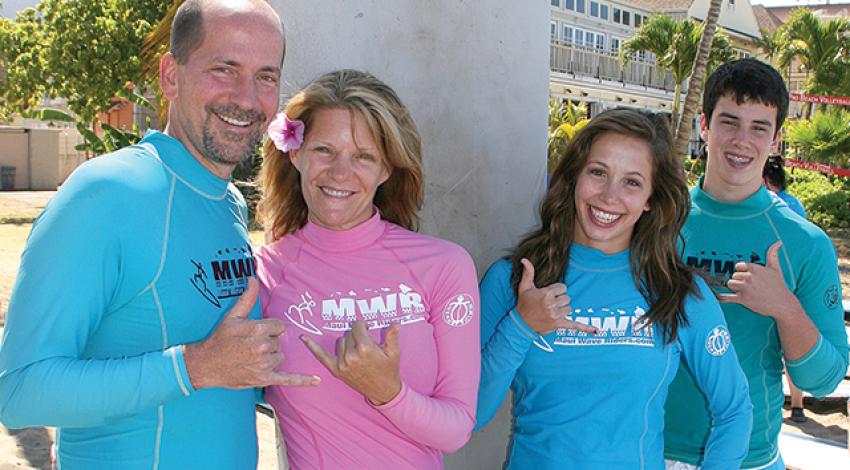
319 281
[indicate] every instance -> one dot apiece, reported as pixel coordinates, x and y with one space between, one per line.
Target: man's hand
241 353
761 289
370 368
545 309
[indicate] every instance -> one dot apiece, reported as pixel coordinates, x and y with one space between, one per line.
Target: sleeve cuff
808 356
392 403
175 353
518 327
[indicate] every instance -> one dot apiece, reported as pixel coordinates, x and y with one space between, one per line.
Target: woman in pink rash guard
385 317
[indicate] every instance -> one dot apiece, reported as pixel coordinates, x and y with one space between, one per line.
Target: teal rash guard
597 401
717 235
140 252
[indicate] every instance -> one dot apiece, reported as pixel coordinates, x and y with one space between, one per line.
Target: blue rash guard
597 401
717 235
140 252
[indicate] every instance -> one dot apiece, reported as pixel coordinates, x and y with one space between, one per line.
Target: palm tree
772 45
822 48
565 119
675 46
703 63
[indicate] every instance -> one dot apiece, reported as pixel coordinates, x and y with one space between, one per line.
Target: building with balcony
586 36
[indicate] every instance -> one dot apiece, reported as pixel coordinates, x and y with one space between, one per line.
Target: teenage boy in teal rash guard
126 329
775 273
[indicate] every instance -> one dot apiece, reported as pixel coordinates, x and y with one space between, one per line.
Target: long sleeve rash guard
596 401
717 235
140 252
320 281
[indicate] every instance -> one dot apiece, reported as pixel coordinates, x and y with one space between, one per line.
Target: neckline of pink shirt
340 241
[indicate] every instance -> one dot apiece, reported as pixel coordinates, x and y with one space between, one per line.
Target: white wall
477 84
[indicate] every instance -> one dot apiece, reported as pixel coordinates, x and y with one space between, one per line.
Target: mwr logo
458 312
719 267
230 268
831 297
615 327
718 341
379 307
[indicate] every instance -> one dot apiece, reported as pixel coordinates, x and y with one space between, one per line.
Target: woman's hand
546 309
370 368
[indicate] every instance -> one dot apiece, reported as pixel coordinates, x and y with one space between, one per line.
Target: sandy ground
30 448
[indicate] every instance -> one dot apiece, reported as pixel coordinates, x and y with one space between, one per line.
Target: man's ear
703 127
168 76
774 146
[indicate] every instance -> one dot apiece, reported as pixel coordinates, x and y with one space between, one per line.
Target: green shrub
825 197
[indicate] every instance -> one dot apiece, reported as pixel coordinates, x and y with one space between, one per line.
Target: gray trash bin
7 178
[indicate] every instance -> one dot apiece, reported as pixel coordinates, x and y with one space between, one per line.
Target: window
600 41
580 6
556 3
616 15
579 39
570 4
642 55
553 31
568 34
589 38
626 19
603 12
638 20
594 9
615 45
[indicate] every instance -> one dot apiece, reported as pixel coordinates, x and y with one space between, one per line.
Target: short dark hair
774 171
187 30
747 79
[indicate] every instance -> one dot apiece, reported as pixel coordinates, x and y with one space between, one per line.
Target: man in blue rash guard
775 273
133 326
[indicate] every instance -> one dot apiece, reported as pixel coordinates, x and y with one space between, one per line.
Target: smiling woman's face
341 168
612 192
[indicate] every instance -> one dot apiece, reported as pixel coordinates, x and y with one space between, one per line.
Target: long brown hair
662 277
282 209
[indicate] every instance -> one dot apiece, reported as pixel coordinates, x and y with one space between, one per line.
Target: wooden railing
604 65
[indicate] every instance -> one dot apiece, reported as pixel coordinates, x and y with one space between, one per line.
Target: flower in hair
285 133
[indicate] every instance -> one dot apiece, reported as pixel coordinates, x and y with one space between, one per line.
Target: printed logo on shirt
459 311
831 297
616 327
718 341
230 268
379 307
719 267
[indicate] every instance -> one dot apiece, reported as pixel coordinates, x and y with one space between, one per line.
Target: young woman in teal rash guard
587 319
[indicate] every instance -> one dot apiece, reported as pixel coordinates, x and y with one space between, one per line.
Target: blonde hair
282 209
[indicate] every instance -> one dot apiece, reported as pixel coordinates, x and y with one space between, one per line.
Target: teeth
233 121
336 193
737 159
602 216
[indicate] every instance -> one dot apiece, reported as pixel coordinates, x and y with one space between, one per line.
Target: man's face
226 93
739 140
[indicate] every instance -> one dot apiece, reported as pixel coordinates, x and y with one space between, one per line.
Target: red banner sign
819 99
819 167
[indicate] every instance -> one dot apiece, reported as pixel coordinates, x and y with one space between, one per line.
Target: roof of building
765 18
664 5
835 9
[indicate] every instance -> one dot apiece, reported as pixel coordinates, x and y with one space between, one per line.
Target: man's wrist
192 354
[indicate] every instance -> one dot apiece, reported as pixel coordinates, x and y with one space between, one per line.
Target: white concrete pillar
475 77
